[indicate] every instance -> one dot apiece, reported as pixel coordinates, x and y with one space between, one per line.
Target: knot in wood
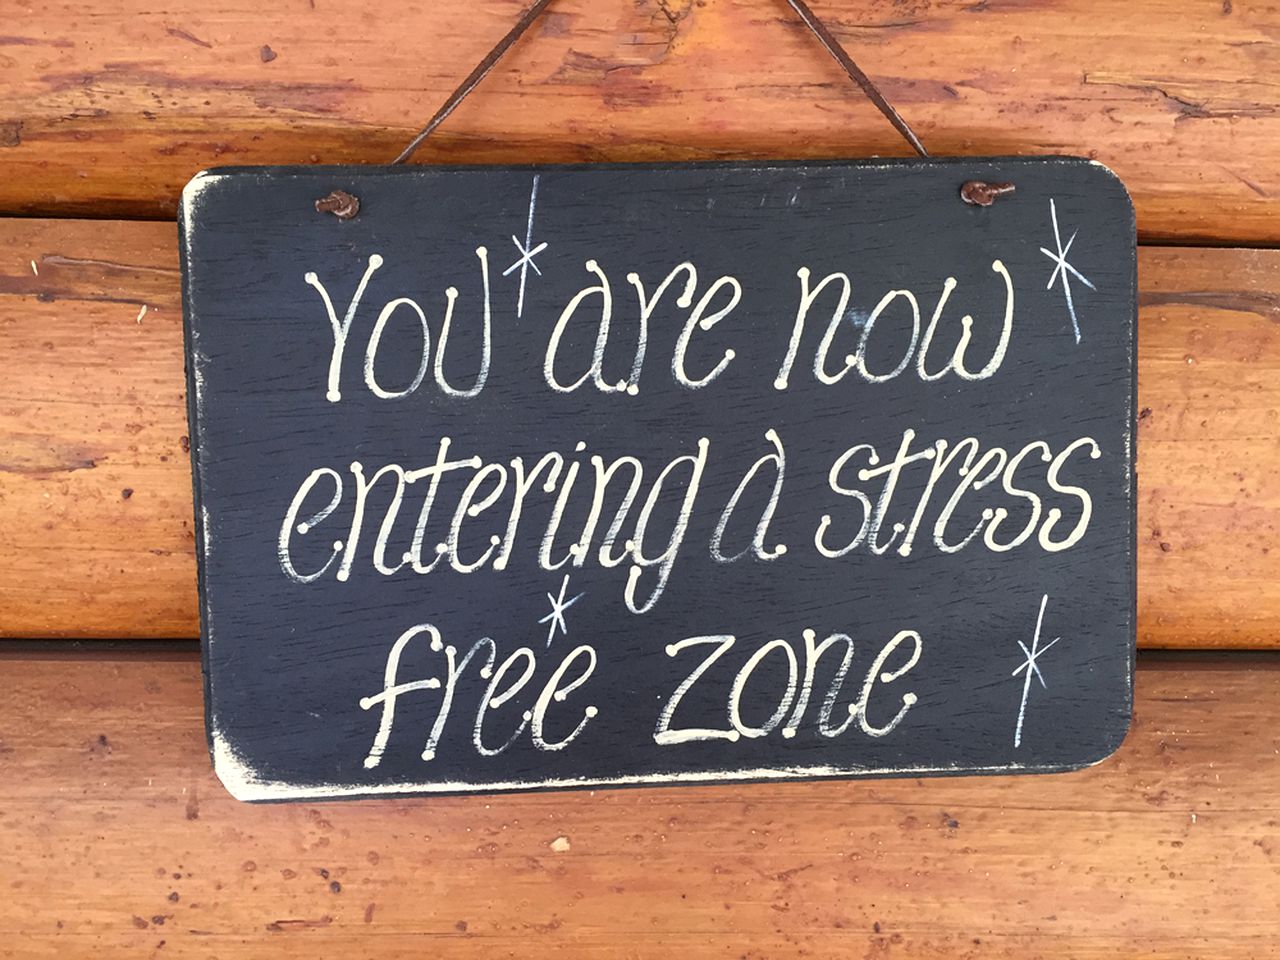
340 203
983 194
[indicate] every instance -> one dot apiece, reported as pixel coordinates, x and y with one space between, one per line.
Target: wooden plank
115 839
91 406
111 112
95 492
1208 447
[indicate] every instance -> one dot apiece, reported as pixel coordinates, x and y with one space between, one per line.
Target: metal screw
983 194
340 203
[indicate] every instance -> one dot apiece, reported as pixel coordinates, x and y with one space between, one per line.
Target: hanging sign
585 476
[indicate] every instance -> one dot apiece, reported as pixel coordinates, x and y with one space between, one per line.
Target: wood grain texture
115 839
91 406
1208 447
109 111
95 489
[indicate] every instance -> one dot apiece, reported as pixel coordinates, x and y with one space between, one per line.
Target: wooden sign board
585 476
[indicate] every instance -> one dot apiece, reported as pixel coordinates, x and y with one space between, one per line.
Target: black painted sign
566 476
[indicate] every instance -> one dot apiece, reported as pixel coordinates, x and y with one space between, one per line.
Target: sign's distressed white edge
245 783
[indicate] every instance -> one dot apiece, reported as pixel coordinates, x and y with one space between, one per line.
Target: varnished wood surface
115 838
107 109
95 498
117 841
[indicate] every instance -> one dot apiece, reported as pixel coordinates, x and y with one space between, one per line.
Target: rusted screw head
340 203
983 194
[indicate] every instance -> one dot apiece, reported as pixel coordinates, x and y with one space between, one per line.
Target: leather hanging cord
474 77
810 20
828 40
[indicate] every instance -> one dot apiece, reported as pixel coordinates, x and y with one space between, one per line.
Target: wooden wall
116 840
